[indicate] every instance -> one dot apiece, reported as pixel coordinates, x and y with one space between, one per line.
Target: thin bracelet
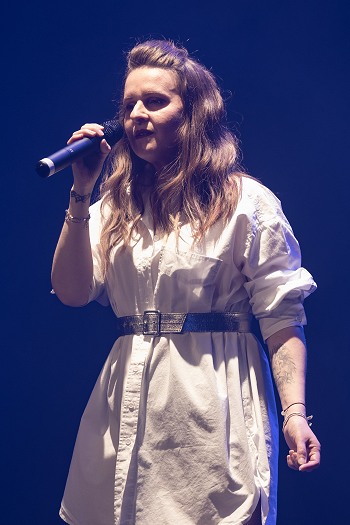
300 414
283 413
69 218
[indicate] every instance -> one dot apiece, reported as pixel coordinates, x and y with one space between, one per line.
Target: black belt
153 322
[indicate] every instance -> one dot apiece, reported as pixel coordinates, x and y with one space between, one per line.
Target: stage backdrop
283 67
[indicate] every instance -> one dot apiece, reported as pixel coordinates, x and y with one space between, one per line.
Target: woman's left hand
304 447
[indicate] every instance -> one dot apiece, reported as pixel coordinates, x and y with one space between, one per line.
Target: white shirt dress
182 429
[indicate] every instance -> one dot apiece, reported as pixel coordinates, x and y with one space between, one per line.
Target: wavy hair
202 184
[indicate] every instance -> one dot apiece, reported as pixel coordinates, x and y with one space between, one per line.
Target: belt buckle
151 322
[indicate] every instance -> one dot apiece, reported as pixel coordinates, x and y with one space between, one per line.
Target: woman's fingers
292 460
88 168
312 462
87 130
105 147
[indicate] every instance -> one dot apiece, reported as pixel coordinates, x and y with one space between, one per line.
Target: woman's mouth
140 133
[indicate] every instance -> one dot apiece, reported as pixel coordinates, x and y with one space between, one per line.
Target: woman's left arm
287 351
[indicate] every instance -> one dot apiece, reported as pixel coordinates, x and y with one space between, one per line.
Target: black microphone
113 131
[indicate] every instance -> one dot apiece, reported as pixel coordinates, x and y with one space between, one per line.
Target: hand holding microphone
87 166
89 139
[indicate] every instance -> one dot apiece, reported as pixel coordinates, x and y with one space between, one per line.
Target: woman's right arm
72 268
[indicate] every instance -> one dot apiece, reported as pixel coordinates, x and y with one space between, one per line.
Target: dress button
128 442
131 407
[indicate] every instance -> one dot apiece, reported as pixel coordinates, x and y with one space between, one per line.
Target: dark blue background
286 64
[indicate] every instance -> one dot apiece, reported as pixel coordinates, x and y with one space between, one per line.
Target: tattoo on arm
283 366
79 198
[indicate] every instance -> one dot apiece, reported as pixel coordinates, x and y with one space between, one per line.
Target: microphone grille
113 131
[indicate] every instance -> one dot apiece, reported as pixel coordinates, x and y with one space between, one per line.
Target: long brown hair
202 183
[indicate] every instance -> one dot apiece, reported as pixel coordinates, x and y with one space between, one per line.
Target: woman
181 427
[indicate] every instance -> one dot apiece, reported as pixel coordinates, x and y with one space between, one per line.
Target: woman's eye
128 107
155 102
152 103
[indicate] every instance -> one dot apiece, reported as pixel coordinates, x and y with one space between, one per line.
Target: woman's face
153 111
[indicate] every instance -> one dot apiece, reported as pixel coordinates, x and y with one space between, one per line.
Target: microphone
113 132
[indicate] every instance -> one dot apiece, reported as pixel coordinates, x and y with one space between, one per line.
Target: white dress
182 429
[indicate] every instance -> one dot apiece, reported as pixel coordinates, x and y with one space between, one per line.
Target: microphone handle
66 156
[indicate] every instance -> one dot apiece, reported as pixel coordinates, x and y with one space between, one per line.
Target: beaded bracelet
300 414
69 218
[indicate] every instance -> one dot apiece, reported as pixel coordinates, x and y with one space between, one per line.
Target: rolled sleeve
276 284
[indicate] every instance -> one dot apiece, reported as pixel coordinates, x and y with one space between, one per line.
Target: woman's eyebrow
145 94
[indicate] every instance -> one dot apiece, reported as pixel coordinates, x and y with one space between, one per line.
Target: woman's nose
138 111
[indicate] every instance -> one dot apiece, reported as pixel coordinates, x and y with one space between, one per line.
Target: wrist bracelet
283 413
300 414
69 218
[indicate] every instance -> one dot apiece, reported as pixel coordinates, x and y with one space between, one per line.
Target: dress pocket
187 279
